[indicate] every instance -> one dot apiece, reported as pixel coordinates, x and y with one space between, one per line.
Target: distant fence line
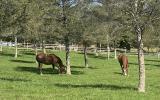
60 47
76 48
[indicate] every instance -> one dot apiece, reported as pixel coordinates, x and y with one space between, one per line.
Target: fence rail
76 48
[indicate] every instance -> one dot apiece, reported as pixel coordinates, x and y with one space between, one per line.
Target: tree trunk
141 85
108 49
125 50
96 50
35 48
1 49
36 51
27 45
66 37
10 44
115 53
100 47
24 44
16 48
108 52
43 46
148 49
68 56
60 47
139 30
85 56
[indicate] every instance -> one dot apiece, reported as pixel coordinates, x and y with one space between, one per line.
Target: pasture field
19 79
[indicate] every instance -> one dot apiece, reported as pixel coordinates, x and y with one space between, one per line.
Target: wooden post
125 50
85 55
27 45
100 45
1 46
16 48
108 52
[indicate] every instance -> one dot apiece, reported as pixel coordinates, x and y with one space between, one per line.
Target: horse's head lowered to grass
123 60
50 59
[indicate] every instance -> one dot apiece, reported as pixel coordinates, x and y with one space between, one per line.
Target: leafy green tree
138 15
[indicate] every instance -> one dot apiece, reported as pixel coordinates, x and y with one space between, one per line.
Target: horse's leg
125 65
53 66
127 69
122 69
40 68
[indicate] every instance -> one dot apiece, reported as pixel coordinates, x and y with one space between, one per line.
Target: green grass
19 79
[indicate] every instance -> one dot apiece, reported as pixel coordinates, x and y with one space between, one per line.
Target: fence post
1 45
115 53
125 50
108 49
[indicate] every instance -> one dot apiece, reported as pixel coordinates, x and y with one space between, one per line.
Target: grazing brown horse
50 59
123 60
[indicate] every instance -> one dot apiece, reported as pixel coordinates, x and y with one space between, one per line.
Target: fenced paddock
20 80
76 48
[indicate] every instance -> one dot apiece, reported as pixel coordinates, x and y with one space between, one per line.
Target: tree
139 14
88 22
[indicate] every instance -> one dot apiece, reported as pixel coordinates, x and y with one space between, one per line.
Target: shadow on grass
156 65
101 86
35 70
118 73
133 64
152 60
75 72
29 53
22 61
83 67
13 79
92 55
6 54
44 70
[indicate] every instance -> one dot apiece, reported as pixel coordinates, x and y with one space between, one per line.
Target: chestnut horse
123 60
50 59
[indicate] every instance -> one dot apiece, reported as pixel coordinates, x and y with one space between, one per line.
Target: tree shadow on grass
92 55
81 67
98 57
22 61
156 65
13 79
75 72
6 54
29 53
152 60
101 86
35 70
118 73
44 70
